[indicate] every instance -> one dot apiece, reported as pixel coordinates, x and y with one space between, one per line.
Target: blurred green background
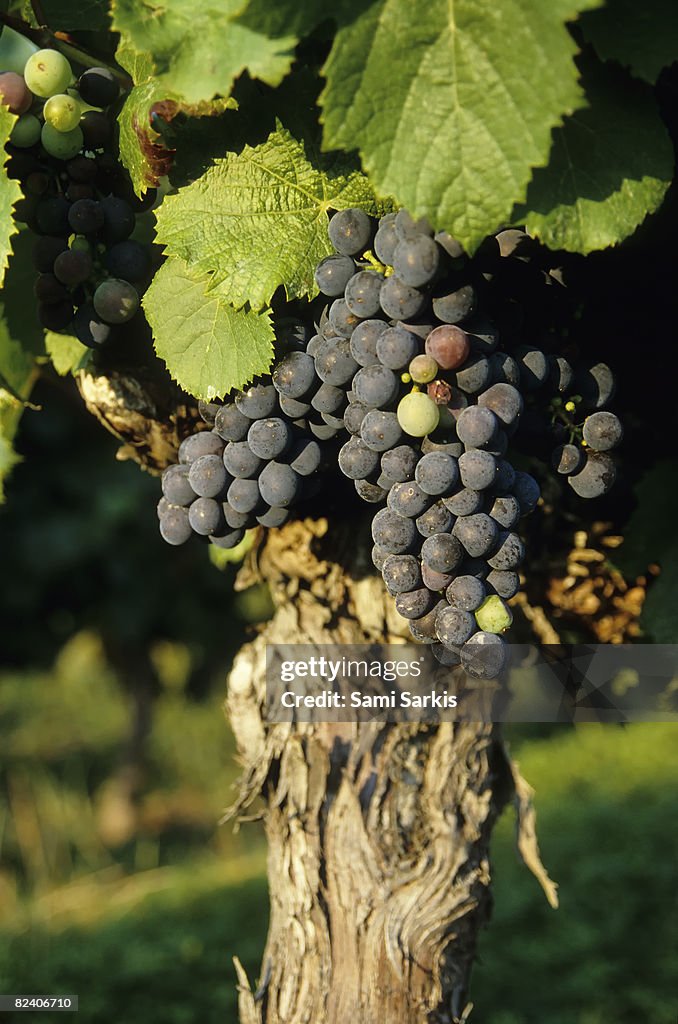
117 881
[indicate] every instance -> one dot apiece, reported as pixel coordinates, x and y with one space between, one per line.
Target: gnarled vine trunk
378 833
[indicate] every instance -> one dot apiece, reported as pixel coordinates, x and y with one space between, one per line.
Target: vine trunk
378 834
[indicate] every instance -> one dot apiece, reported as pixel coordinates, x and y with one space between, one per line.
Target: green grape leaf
76 15
641 37
68 355
17 362
300 17
142 149
610 166
10 193
258 219
255 112
138 64
209 347
17 374
199 47
451 104
20 314
650 537
15 49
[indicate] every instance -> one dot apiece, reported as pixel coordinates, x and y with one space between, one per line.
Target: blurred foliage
158 949
607 800
65 811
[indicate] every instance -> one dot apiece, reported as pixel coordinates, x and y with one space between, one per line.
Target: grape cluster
433 405
78 200
261 456
431 402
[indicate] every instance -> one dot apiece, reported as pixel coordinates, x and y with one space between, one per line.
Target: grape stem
375 264
46 39
559 414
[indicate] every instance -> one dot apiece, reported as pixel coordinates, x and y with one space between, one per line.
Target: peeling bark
378 833
144 410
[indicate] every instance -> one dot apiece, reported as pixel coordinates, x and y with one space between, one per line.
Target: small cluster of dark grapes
431 402
262 455
564 424
78 198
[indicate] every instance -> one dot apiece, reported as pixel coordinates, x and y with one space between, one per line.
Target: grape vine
431 359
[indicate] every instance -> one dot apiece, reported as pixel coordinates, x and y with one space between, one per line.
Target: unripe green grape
494 615
417 414
61 145
26 131
62 112
80 244
423 369
47 72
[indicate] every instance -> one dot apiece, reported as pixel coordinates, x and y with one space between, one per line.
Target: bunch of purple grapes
406 365
262 456
78 198
432 403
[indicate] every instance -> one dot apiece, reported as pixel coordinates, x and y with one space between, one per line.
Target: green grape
494 615
418 415
62 145
47 72
423 369
62 112
80 244
26 131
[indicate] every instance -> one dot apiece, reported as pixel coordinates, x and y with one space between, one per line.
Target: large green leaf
10 193
197 45
209 347
298 16
258 219
451 103
641 36
76 15
610 166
